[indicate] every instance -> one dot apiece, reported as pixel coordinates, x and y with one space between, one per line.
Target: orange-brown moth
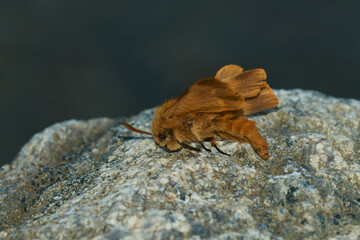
215 107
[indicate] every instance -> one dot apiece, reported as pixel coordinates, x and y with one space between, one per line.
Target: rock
95 179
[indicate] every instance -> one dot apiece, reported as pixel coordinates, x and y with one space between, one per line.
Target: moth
214 108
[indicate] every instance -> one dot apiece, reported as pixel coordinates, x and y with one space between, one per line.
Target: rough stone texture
95 179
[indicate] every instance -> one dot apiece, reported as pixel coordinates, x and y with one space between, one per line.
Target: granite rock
96 180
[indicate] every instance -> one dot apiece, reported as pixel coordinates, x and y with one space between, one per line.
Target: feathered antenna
131 128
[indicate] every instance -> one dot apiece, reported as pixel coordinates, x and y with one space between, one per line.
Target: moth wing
266 99
247 84
207 95
232 89
228 71
252 86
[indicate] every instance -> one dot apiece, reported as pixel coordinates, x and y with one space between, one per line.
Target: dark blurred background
65 59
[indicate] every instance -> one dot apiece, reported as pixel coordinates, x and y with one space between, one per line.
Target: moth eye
162 137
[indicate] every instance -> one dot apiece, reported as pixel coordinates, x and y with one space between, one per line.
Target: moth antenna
131 128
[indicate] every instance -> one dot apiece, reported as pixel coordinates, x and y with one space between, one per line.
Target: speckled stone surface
96 180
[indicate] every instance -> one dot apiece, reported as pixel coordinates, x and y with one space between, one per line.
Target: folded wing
206 95
232 89
251 86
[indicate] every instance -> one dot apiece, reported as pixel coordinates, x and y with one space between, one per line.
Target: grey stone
96 180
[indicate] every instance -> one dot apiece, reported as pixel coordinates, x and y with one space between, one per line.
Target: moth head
164 136
162 127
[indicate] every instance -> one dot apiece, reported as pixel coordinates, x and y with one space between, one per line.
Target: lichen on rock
95 179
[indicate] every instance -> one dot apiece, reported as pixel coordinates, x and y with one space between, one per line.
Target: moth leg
204 147
213 143
184 145
189 147
215 146
243 130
